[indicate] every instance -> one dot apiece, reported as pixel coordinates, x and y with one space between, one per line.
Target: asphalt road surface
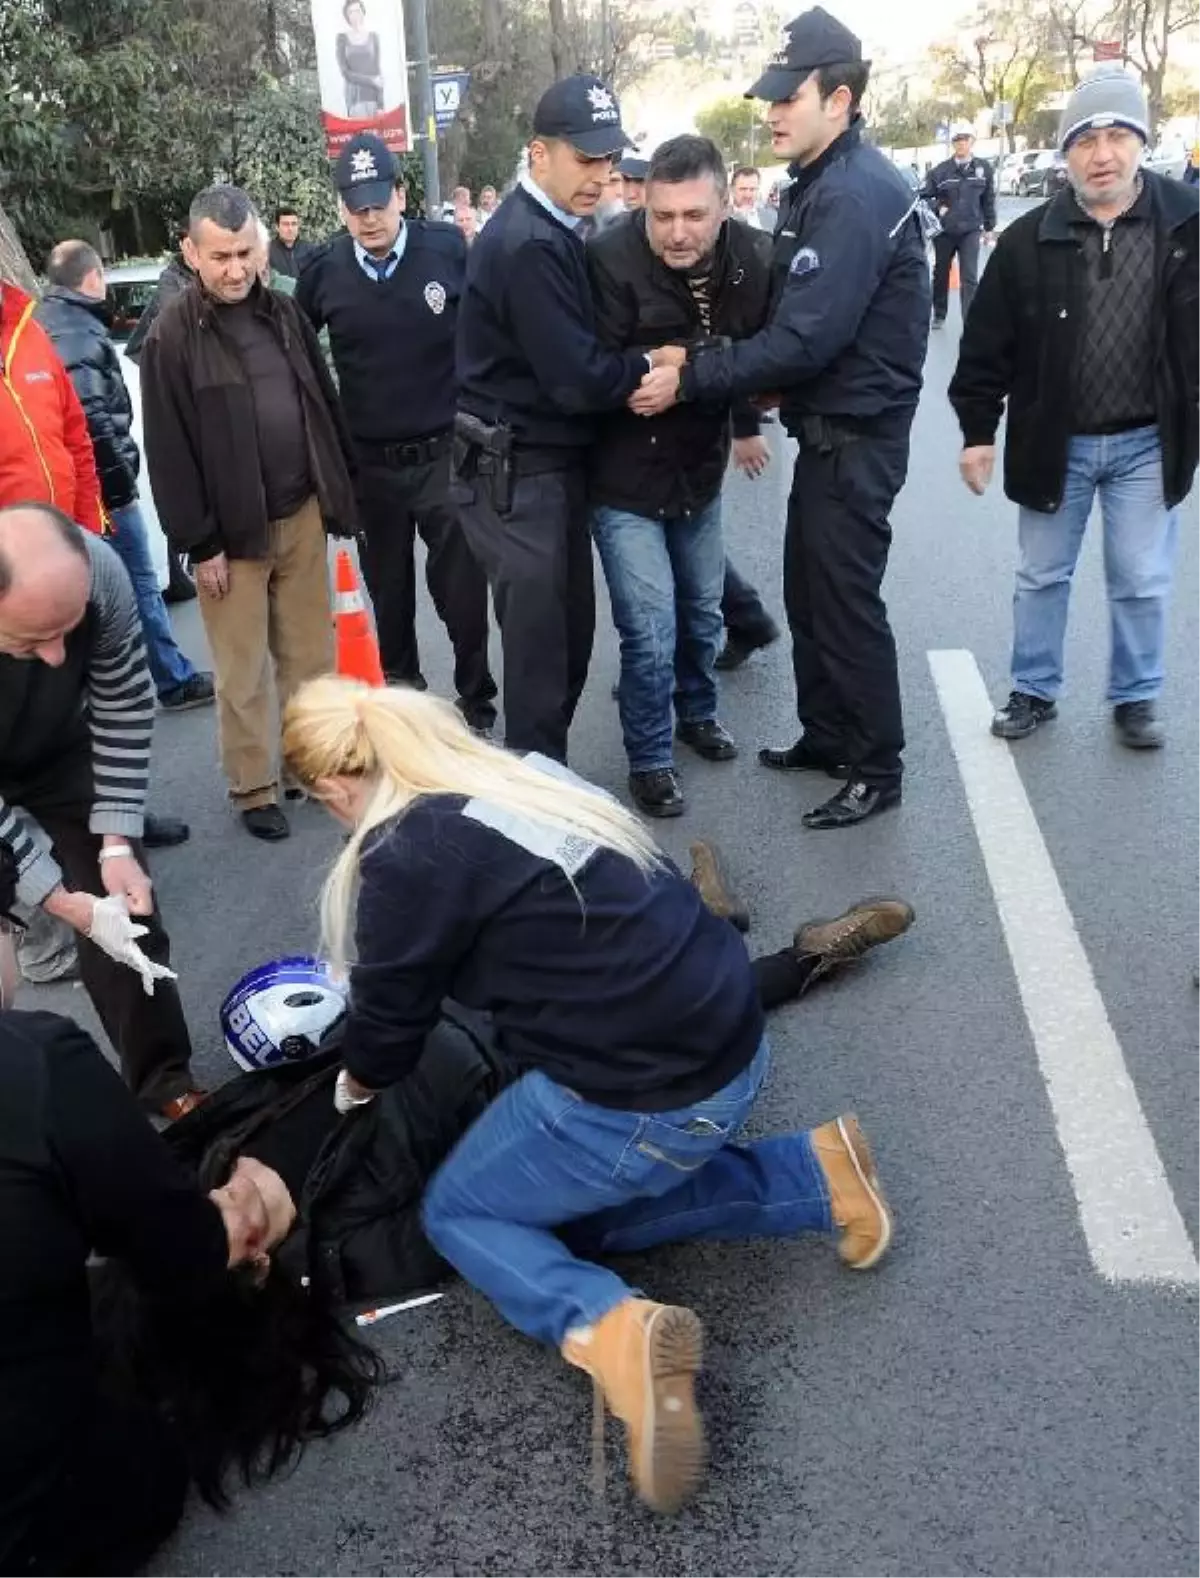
988 1400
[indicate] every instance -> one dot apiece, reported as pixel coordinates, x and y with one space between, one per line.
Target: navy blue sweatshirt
527 347
627 991
393 339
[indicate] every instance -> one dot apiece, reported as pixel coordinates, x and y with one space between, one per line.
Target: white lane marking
1133 1227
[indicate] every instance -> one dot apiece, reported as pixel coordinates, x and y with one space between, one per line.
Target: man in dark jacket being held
1086 323
678 271
250 465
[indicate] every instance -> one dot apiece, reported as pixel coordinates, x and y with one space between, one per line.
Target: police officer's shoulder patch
806 261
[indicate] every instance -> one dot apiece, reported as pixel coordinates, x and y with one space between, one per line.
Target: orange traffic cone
357 648
953 273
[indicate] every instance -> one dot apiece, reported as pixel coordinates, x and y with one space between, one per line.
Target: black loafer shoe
854 802
658 793
267 822
800 758
738 648
710 739
1137 727
162 832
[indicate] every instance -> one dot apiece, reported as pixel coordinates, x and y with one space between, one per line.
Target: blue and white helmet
279 1012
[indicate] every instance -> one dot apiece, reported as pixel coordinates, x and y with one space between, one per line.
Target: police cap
814 39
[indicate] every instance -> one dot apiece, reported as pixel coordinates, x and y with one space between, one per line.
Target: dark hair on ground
746 169
227 207
686 158
71 534
286 211
70 263
852 74
244 1378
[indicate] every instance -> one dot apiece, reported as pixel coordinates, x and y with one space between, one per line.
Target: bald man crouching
76 714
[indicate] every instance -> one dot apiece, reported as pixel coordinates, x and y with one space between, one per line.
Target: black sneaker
1138 727
658 793
195 692
738 648
1021 715
710 739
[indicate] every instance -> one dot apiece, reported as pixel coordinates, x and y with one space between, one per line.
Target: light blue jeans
1125 469
665 579
168 667
543 1178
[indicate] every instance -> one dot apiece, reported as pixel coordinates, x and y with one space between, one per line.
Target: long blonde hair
412 745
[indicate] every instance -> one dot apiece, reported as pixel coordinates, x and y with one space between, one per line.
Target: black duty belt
412 452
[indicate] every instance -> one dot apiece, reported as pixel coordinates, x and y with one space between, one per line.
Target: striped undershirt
119 705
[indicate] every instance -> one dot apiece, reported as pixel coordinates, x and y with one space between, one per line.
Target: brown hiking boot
855 1197
710 879
864 926
643 1358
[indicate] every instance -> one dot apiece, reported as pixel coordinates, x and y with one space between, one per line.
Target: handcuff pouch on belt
823 435
485 449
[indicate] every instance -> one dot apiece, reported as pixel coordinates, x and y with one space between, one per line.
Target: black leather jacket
672 464
78 327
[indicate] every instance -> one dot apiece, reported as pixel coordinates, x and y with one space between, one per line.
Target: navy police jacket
527 350
849 322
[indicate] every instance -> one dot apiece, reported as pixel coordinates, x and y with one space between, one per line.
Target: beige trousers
276 616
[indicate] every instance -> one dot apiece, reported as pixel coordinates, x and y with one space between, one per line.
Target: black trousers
834 557
149 1034
395 503
945 247
538 560
121 1497
741 606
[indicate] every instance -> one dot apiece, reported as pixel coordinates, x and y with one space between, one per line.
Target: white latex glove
112 930
348 1094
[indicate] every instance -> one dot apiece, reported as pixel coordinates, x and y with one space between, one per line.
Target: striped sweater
117 704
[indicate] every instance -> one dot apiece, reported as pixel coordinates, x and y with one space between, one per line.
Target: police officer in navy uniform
532 374
842 352
963 194
389 292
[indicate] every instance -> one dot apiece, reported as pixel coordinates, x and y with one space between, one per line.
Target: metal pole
427 133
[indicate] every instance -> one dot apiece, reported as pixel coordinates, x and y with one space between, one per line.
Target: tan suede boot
855 1197
864 925
710 878
643 1358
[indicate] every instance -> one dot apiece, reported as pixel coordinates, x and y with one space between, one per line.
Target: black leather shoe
1137 727
658 793
800 758
161 832
413 681
854 802
267 822
479 716
710 739
1020 715
738 648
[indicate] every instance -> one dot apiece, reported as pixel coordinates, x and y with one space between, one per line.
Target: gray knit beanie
1109 97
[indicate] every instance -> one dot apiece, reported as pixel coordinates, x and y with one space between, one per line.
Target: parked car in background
130 287
1169 158
1044 176
1010 169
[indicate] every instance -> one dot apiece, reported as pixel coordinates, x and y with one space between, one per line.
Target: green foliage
735 125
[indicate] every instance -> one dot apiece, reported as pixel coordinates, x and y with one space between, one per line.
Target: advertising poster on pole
363 71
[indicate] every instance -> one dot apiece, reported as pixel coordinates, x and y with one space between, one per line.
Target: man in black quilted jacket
74 313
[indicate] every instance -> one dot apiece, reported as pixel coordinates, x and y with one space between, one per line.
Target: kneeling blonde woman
514 887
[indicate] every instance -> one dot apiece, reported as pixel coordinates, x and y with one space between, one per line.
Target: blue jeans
1139 559
665 579
541 1158
168 667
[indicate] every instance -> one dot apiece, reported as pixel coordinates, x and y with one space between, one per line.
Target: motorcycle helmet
280 1012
